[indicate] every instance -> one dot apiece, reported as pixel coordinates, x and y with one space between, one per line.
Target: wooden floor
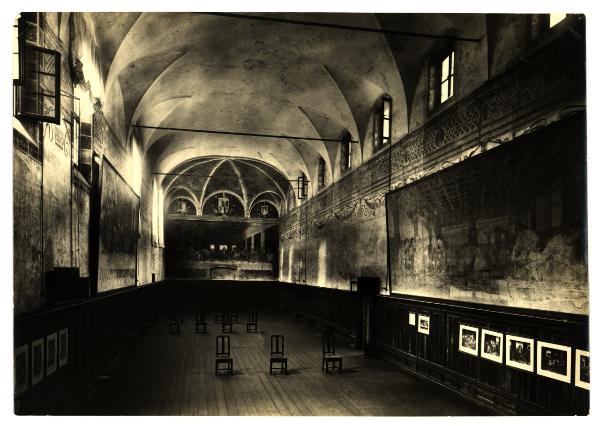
164 374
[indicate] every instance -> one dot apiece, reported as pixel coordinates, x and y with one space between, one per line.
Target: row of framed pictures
553 361
423 325
56 355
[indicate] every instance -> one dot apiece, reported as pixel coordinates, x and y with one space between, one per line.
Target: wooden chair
200 323
223 356
252 324
174 324
278 360
330 361
233 317
227 324
219 318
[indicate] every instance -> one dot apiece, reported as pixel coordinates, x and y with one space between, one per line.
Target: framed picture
37 361
423 324
519 352
554 361
412 318
582 369
492 344
51 353
21 369
63 347
469 340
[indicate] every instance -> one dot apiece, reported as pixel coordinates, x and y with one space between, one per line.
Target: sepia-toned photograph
554 361
230 211
582 369
519 352
423 326
492 344
469 340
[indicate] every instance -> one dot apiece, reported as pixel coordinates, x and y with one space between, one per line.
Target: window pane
386 128
444 91
445 68
386 108
451 86
555 18
452 63
16 50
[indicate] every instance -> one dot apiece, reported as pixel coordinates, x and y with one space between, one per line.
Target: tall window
441 80
321 174
37 91
386 120
447 78
346 158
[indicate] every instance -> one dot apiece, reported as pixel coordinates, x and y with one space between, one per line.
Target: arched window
346 158
321 174
385 124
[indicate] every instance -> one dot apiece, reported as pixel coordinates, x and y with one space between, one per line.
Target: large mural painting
507 227
119 220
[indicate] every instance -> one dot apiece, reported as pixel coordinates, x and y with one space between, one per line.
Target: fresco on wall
119 218
507 227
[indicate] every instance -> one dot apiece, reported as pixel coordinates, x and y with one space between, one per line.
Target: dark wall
437 355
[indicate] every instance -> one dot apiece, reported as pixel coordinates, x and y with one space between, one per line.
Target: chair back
277 345
173 317
328 344
253 317
227 317
200 317
223 346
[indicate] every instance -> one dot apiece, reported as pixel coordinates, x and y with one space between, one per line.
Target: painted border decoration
37 361
582 369
554 361
21 369
492 345
468 341
519 352
51 353
424 322
63 347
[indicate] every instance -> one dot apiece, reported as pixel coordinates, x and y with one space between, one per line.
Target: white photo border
24 386
579 383
412 318
498 359
36 378
461 348
541 372
62 361
51 368
509 338
422 330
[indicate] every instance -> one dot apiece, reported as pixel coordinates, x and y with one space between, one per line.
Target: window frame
18 102
346 153
321 174
383 140
436 79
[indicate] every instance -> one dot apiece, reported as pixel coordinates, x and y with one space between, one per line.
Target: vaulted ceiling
194 70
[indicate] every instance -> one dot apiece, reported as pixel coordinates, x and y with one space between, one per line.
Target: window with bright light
555 18
346 158
386 120
447 78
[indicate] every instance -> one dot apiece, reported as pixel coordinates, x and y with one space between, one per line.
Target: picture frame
412 318
468 341
492 345
519 352
424 322
63 347
554 361
582 369
37 361
21 367
51 353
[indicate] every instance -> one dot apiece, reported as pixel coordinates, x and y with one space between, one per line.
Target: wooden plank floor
164 374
